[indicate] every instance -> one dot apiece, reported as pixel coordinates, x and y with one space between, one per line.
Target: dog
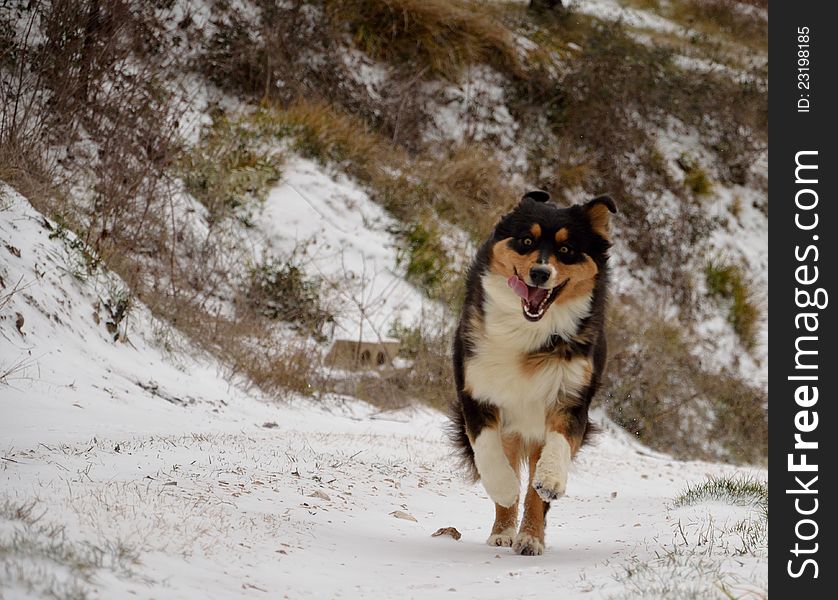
529 353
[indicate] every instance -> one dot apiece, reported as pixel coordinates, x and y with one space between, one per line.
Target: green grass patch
740 490
280 290
696 179
727 281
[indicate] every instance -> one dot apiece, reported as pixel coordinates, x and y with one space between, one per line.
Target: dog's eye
564 249
527 241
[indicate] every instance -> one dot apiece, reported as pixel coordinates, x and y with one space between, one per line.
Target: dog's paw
528 545
504 538
550 480
549 488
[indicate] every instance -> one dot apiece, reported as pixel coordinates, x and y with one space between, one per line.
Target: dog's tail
459 438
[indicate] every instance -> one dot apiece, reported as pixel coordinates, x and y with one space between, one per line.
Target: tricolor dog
529 353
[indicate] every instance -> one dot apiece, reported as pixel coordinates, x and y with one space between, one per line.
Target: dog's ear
537 195
598 212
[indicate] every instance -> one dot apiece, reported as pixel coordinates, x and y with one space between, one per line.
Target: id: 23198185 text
804 102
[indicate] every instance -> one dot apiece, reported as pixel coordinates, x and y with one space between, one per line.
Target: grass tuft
728 282
740 490
438 37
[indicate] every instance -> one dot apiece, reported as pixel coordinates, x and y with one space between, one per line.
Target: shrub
727 281
280 290
425 259
233 166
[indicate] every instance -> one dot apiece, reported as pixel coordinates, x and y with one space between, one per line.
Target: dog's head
549 254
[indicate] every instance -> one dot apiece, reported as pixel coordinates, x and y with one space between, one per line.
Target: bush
280 290
234 165
727 281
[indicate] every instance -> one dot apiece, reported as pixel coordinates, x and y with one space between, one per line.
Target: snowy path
302 510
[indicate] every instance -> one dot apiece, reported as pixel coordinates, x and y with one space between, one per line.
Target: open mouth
534 300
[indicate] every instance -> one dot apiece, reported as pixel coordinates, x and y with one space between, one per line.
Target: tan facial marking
535 230
581 275
562 235
505 261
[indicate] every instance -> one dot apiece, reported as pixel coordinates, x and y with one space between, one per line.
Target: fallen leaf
403 515
321 495
452 531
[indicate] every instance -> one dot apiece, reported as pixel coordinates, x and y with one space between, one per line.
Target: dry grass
725 18
428 379
244 344
658 389
437 37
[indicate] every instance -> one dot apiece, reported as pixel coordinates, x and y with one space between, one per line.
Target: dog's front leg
499 477
564 435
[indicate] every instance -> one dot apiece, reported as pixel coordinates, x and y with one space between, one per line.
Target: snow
339 234
609 10
473 110
126 469
741 239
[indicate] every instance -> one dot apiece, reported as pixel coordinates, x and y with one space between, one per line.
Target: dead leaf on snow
399 514
452 531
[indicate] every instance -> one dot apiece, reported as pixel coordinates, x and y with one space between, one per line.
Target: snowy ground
129 470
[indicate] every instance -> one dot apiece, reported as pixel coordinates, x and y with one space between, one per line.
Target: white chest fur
496 372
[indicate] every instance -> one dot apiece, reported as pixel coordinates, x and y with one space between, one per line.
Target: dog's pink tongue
518 286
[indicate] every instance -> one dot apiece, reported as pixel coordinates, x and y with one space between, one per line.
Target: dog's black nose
539 275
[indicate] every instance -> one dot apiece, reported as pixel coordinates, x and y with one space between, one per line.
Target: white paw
528 545
549 488
504 538
550 480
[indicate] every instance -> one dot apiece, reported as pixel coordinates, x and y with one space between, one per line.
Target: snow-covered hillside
131 470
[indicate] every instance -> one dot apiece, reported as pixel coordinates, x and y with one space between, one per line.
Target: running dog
529 353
